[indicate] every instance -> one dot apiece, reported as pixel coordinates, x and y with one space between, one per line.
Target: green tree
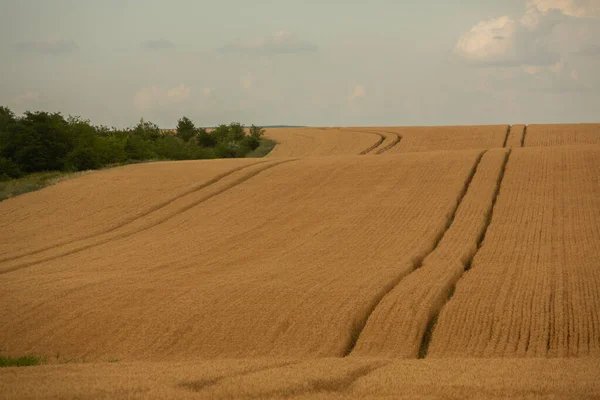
39 141
256 134
205 139
185 129
7 120
237 132
139 149
220 133
9 169
147 130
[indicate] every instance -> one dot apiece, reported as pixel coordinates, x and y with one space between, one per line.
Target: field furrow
389 140
305 142
534 286
376 145
302 142
562 134
148 220
348 378
434 138
392 139
515 137
289 263
398 326
101 202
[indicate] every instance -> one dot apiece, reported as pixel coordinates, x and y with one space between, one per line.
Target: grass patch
265 147
32 182
25 361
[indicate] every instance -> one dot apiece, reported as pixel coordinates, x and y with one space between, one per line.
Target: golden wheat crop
515 137
433 138
562 134
256 278
398 325
98 202
533 289
287 263
310 379
304 142
388 139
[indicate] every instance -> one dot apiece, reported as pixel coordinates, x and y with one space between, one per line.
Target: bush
185 129
206 139
83 158
9 169
111 149
41 141
136 148
147 130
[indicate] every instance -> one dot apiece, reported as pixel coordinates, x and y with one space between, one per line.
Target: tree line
43 141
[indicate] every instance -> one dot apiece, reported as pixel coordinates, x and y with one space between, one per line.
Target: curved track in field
350 263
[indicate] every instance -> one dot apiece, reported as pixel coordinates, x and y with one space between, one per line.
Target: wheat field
303 142
562 135
533 288
359 262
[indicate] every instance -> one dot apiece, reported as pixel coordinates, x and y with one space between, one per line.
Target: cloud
573 8
26 98
504 41
157 97
283 42
49 46
546 31
160 44
207 92
358 92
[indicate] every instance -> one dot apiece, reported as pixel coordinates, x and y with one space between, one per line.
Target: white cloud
26 98
158 97
489 42
48 46
358 92
573 8
546 31
282 42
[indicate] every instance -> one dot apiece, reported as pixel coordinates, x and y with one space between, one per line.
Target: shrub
185 129
206 139
9 169
41 141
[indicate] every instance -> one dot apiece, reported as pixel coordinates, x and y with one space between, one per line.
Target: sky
303 62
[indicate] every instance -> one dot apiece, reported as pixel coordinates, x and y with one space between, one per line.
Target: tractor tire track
417 262
131 220
507 135
374 146
467 266
394 143
149 226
